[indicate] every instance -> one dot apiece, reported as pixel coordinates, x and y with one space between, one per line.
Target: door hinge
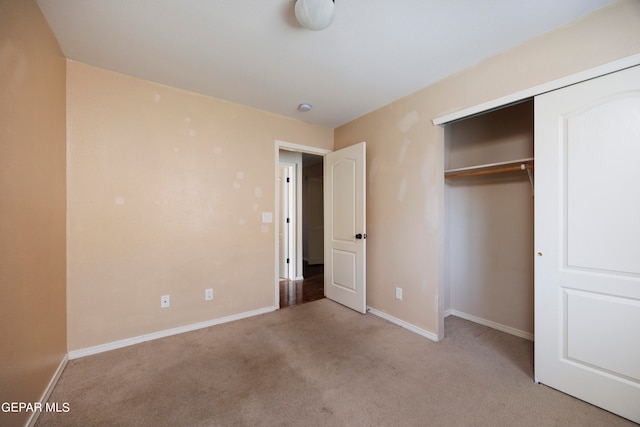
288 179
288 260
288 220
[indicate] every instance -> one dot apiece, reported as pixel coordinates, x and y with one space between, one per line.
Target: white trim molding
76 354
290 146
591 73
47 391
493 325
402 323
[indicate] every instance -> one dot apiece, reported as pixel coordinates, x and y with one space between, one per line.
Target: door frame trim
287 146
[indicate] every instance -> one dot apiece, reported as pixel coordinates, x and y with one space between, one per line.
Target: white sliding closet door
587 239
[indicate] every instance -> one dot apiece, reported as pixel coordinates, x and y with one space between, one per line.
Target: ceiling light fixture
304 107
314 14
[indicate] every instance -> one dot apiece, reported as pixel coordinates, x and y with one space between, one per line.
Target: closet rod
490 171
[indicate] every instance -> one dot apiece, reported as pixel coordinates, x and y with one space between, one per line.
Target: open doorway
300 219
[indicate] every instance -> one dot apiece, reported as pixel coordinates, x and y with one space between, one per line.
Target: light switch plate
164 301
267 217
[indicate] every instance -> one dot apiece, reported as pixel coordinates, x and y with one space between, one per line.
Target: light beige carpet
317 364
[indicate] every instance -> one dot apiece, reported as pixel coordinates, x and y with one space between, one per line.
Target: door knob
361 236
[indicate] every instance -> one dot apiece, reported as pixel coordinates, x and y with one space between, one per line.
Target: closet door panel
587 239
600 214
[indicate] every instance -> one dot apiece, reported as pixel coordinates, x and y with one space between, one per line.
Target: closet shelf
490 168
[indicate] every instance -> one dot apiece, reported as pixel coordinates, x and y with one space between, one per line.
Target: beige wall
489 220
32 216
166 190
405 213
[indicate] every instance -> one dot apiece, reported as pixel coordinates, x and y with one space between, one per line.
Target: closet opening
489 183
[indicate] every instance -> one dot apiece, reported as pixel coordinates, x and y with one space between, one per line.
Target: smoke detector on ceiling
304 107
314 14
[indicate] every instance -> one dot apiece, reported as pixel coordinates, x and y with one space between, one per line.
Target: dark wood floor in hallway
311 288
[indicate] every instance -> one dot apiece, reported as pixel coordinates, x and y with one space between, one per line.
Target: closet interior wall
489 221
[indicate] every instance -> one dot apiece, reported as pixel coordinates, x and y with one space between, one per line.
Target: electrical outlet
399 293
208 294
164 301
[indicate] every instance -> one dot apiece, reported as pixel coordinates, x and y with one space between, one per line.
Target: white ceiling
254 52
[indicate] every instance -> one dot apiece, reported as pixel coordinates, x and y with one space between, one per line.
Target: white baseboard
76 354
447 312
494 325
47 391
404 324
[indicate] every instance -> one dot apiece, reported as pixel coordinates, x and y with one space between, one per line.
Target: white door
345 227
587 239
284 237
